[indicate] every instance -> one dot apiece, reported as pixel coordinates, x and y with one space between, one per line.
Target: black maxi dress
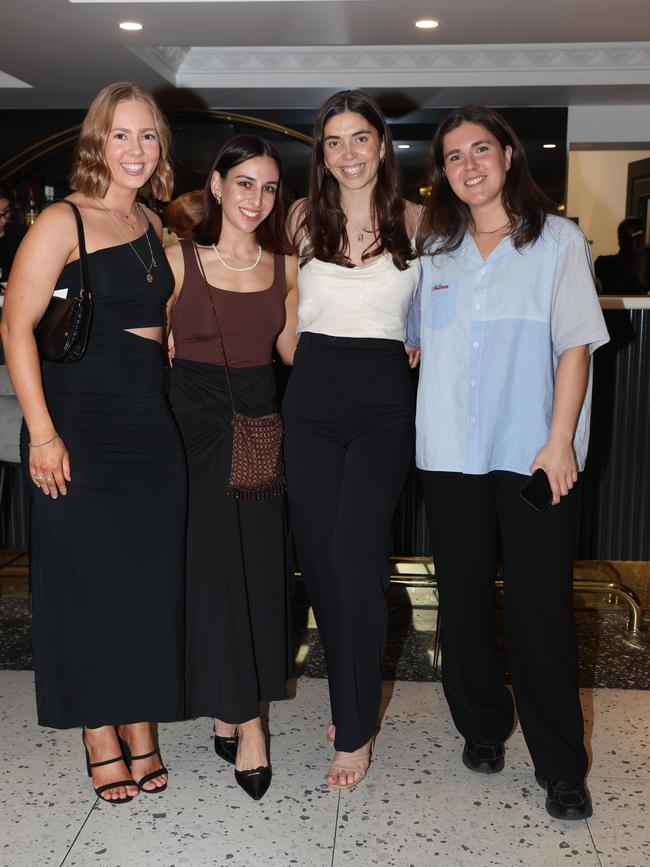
107 560
238 647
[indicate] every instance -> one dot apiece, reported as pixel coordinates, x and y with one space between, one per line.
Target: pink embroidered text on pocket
439 305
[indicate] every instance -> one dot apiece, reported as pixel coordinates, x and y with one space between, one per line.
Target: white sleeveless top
365 301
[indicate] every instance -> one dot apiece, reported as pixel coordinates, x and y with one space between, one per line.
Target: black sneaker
566 799
484 758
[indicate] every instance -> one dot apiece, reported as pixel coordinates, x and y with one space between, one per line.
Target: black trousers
349 430
468 516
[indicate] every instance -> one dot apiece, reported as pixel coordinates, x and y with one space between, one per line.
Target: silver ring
38 477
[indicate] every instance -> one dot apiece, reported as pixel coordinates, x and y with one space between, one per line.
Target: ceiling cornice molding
529 64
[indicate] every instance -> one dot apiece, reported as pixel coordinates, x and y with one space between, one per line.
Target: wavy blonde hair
90 174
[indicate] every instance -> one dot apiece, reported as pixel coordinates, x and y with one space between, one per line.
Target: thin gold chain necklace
492 231
361 233
152 264
119 216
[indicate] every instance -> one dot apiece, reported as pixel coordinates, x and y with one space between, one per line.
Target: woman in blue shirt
508 317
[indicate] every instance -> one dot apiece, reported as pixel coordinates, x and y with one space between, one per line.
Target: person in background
349 405
10 238
508 319
103 455
628 271
238 650
183 214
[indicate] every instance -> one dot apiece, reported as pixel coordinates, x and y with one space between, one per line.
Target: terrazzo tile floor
418 807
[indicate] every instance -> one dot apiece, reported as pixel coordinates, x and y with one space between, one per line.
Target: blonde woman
103 454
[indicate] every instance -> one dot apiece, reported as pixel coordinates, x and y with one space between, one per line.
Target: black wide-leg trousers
468 515
349 431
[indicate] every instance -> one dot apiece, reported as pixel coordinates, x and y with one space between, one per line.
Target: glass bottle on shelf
31 209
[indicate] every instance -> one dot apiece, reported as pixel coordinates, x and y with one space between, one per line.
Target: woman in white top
349 406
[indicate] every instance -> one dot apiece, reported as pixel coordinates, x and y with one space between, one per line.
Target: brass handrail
69 135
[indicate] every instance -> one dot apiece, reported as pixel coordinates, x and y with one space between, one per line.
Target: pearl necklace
232 267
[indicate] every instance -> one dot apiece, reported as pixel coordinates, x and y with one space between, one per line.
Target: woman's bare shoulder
412 213
154 219
174 253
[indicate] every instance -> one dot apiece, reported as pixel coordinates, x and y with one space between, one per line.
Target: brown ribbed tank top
250 321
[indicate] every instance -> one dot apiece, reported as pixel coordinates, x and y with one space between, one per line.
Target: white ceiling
291 53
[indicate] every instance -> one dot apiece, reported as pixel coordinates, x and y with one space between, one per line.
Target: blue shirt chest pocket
439 302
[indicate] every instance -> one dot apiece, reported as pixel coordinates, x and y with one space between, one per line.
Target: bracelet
47 442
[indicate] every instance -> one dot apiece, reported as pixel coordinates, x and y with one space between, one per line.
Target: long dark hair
446 218
323 221
271 234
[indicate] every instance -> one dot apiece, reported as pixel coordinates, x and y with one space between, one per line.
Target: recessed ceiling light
549 146
130 25
427 24
403 147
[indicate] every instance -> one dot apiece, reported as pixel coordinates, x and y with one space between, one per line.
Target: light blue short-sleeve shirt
491 333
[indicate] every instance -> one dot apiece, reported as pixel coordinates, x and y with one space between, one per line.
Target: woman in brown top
238 637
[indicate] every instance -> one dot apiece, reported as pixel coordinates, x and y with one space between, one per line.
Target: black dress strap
83 256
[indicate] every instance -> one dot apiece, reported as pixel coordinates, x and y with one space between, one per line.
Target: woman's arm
557 458
174 256
46 248
288 339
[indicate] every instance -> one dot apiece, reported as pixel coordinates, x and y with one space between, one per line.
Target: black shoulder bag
62 333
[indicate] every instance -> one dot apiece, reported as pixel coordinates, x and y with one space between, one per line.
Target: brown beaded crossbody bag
257 468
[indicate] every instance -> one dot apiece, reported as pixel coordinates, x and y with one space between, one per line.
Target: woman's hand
171 349
49 467
413 355
558 460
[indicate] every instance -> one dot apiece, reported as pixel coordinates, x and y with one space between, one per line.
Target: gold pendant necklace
152 264
360 232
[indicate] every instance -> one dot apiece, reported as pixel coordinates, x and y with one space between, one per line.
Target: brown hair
184 213
446 218
90 173
271 232
323 221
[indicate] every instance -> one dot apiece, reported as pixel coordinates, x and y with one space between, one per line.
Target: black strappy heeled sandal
129 759
98 791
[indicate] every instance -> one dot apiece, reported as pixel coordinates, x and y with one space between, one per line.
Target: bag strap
216 319
83 256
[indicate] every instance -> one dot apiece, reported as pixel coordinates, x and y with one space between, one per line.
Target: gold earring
217 198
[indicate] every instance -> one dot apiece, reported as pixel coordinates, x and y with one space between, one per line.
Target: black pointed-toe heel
226 748
100 789
256 782
129 759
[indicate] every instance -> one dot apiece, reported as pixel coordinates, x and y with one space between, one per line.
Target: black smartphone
537 491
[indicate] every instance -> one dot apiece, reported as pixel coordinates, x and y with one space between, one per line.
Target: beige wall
596 190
